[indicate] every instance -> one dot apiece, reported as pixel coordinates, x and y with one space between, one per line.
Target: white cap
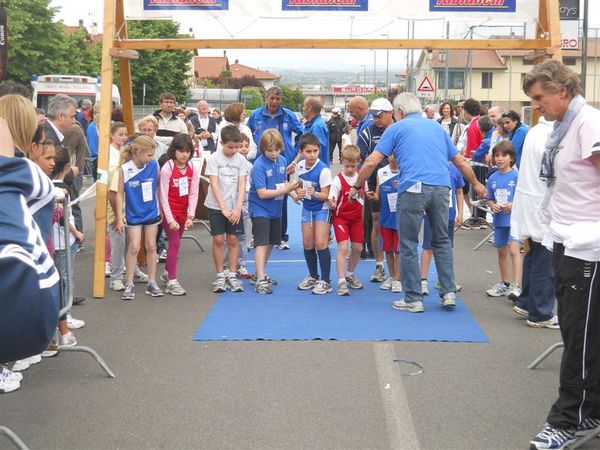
336 110
380 105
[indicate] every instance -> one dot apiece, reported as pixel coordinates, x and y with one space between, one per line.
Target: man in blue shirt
422 149
359 109
273 115
315 124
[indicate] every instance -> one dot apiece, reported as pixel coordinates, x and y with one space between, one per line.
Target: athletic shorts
219 224
502 237
389 236
322 215
266 231
150 223
427 233
344 230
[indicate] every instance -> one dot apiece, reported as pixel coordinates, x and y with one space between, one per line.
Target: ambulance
77 86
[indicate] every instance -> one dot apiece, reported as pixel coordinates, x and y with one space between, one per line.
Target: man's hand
291 168
480 190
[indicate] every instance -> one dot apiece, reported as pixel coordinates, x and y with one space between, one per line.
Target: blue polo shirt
422 149
368 120
284 120
500 189
266 174
318 127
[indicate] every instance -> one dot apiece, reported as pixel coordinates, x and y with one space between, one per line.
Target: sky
347 60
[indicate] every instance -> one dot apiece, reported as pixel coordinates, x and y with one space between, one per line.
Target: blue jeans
67 282
409 214
537 296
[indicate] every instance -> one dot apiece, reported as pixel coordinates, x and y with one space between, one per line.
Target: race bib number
184 186
392 201
147 191
501 196
305 185
415 188
279 186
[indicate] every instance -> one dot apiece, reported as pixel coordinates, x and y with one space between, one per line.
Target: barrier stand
545 355
67 307
481 171
13 437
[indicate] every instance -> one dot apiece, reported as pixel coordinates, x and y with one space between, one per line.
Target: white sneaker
117 285
73 323
514 292
34 359
107 269
16 376
139 276
174 288
21 365
284 245
67 340
551 323
424 287
396 286
7 382
387 284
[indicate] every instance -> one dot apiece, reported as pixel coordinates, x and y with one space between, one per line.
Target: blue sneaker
588 426
551 438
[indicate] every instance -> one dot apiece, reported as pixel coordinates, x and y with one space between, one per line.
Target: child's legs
117 253
261 256
355 249
321 239
218 251
396 273
243 241
266 232
232 243
375 232
356 237
60 261
150 232
340 260
514 248
134 237
308 236
174 244
426 256
501 242
322 244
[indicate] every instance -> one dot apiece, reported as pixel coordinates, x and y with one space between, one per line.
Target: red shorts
389 236
348 230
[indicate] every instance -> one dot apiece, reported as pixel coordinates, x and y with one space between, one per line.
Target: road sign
426 86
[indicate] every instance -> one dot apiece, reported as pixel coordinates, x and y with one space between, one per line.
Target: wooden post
125 71
104 128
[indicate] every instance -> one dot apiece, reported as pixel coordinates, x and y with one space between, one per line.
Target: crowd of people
403 172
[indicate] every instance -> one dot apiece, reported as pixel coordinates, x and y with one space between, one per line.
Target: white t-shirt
346 139
576 191
113 157
228 170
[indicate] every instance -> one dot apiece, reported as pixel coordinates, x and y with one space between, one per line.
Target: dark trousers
332 145
577 285
284 217
538 283
481 174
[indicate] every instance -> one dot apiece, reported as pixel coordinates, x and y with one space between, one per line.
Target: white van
77 86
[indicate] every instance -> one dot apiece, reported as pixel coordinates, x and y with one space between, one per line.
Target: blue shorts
322 215
427 232
502 237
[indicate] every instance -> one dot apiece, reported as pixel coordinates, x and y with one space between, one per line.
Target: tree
36 42
291 98
159 70
253 97
85 57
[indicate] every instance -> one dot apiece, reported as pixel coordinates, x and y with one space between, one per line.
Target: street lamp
387 64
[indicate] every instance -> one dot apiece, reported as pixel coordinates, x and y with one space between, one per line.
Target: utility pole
375 70
364 66
387 65
446 69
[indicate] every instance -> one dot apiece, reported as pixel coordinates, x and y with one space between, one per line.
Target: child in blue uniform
315 177
265 201
138 188
501 191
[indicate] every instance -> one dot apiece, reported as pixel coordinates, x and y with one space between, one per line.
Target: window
569 61
456 79
486 80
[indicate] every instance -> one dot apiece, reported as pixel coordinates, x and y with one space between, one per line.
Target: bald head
495 113
358 107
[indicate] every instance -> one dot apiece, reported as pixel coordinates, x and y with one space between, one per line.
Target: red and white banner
353 89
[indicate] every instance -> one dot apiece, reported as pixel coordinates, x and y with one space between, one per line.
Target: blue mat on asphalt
290 314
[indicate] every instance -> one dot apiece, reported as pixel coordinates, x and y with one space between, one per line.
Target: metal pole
510 74
375 70
446 69
387 65
584 46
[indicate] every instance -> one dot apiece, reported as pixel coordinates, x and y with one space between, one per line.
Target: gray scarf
560 129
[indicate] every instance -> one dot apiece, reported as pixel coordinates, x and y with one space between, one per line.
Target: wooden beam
554 28
425 44
103 146
124 71
124 53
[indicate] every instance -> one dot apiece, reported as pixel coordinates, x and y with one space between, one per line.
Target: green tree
291 98
36 42
159 70
253 97
84 57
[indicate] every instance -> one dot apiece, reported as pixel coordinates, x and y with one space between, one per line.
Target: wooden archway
115 44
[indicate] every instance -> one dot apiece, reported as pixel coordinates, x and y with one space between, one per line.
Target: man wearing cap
422 149
381 111
336 125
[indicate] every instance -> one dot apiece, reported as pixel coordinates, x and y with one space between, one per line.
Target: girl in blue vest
138 188
315 177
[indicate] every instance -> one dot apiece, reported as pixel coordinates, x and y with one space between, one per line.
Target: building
214 66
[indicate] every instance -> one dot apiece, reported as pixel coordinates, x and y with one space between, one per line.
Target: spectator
168 122
516 130
336 126
206 127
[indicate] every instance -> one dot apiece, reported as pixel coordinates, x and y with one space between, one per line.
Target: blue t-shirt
422 149
141 188
501 189
388 195
318 127
266 174
368 120
457 181
284 120
517 137
312 176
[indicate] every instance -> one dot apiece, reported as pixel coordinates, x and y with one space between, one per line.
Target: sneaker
34 359
553 438
7 382
270 280
448 300
107 269
322 287
520 311
353 282
153 290
342 289
308 283
235 285
252 279
481 223
284 245
243 273
164 278
139 276
424 287
11 375
396 286
73 323
386 285
220 285
251 244
469 224
117 285
551 323
514 292
67 340
586 427
78 300
498 290
413 307
21 365
174 288
162 256
378 275
128 293
263 287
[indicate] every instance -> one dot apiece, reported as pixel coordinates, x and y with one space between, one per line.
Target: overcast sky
352 60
